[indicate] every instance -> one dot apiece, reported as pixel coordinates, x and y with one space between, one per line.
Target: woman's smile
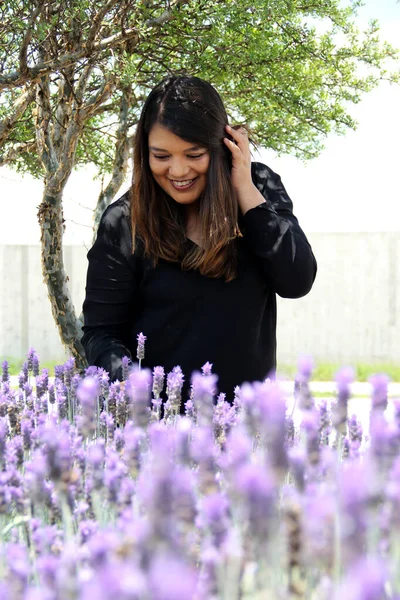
179 168
182 186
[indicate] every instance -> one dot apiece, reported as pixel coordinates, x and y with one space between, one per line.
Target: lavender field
105 493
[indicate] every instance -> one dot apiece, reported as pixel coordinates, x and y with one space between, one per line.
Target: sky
351 186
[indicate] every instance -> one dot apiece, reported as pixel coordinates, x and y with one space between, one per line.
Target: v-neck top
189 318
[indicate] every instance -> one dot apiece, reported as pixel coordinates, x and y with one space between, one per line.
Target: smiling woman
180 169
194 255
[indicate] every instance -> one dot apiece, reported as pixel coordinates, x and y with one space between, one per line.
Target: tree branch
16 78
97 23
15 152
19 107
45 147
23 58
120 165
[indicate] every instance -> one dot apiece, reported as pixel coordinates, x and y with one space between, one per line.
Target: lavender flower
133 438
207 369
95 461
344 378
158 381
379 383
305 367
256 487
272 409
355 429
311 425
298 463
174 387
30 359
214 517
125 364
87 393
355 492
203 452
365 580
52 394
3 436
182 440
224 418
138 389
140 346
171 579
18 568
69 368
203 390
301 383
5 374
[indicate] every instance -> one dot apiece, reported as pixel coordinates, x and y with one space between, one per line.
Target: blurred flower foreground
107 493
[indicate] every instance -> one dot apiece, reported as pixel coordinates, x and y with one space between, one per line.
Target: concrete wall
351 314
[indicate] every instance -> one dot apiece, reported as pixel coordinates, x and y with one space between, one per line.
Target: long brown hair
191 109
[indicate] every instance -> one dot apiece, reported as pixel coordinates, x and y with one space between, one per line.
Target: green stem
337 567
67 519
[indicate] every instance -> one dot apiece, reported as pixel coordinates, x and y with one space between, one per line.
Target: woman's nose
178 168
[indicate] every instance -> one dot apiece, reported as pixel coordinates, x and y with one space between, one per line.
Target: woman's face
179 167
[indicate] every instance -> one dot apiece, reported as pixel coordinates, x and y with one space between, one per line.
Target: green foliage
290 69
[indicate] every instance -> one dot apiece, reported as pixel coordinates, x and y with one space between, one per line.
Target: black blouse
189 318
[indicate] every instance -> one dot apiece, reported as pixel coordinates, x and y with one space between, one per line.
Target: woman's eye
189 156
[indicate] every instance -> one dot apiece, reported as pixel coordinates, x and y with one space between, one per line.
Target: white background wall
351 314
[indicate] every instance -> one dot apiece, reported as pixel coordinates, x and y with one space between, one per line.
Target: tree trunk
120 165
51 227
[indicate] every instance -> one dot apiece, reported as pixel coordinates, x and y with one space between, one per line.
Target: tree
74 75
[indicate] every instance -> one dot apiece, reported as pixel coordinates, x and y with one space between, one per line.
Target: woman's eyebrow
187 149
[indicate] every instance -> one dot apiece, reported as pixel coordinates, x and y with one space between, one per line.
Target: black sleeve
274 235
110 291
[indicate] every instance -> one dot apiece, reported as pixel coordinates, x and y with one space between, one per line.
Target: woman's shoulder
260 173
117 211
116 221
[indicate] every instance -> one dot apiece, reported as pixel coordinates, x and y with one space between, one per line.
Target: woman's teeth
183 183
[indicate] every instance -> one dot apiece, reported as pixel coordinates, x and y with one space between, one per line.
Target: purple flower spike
87 393
355 429
238 449
298 463
203 391
311 425
207 368
305 367
138 388
344 377
379 383
355 493
257 489
172 579
5 375
126 363
214 516
175 381
141 339
158 381
366 580
18 564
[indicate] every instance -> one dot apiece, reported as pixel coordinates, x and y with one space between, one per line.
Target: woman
195 253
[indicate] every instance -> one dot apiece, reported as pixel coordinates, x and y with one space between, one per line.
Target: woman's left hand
241 158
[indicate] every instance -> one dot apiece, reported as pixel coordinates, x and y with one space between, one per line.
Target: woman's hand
248 195
241 157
